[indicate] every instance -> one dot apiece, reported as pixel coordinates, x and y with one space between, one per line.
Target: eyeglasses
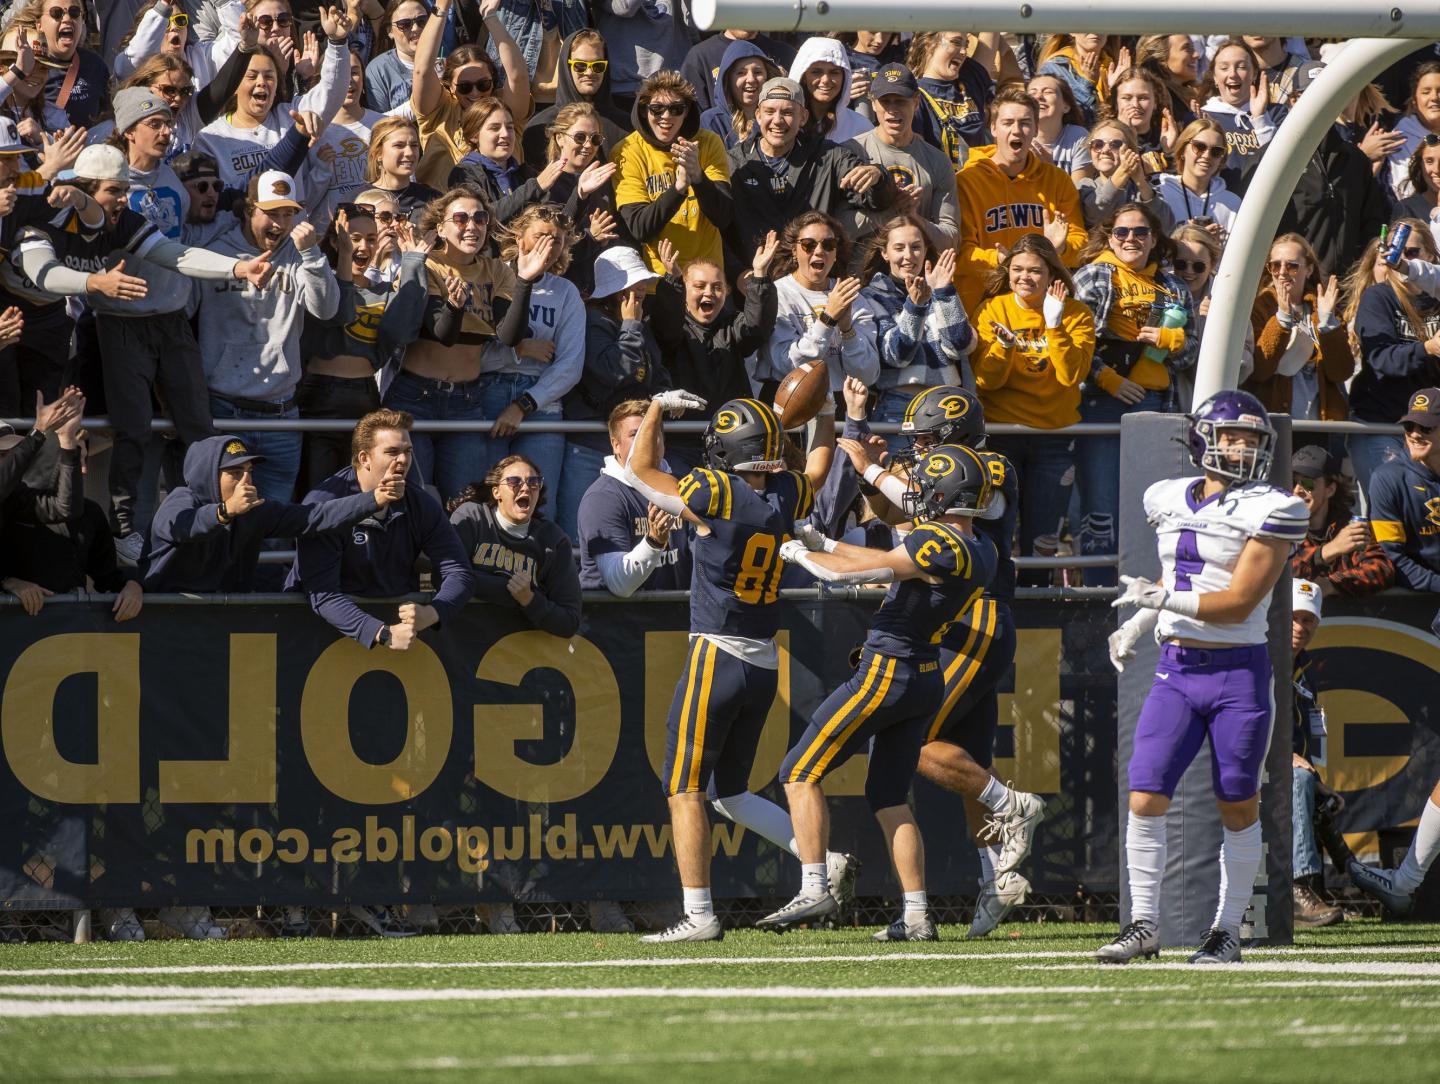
1194 267
1284 265
1307 484
477 86
170 90
179 21
266 22
206 185
530 481
1413 429
810 244
585 67
465 218
1413 252
1121 233
158 124
59 13
405 26
661 109
1106 144
1207 150
584 139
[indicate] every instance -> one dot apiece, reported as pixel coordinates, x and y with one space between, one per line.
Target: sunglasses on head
530 481
267 22
661 109
1208 150
1284 265
1140 233
405 26
584 139
474 86
810 244
585 67
1196 267
464 218
59 13
1431 139
179 21
1106 144
351 210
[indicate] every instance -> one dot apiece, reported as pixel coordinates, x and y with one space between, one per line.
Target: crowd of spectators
521 212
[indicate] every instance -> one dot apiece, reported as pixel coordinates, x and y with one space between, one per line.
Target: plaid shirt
1364 572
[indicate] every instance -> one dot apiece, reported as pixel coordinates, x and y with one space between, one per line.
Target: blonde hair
551 213
564 118
378 135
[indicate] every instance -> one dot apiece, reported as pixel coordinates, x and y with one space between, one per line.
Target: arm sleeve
318 560
646 220
441 545
1072 344
859 356
748 331
1381 343
1387 520
899 335
442 320
210 99
65 502
514 323
195 263
400 323
288 155
557 610
38 260
144 42
14 465
625 573
318 289
302 520
791 344
948 325
328 94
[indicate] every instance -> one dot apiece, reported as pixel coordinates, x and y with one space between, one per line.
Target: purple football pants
1227 696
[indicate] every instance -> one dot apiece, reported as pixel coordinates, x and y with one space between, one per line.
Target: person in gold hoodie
1145 324
1034 347
1007 192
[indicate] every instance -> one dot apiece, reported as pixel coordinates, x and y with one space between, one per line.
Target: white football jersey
1200 542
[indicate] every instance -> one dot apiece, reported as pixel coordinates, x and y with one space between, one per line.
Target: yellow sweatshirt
1135 295
1037 381
647 171
994 210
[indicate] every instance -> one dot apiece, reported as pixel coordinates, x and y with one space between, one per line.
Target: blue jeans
582 467
545 450
1305 856
448 461
1097 479
1368 451
274 478
891 409
1041 464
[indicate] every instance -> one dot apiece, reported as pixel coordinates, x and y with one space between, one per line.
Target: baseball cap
134 104
275 190
8 437
894 79
618 268
235 453
1424 408
1313 461
102 162
786 90
1304 76
1305 597
10 138
194 164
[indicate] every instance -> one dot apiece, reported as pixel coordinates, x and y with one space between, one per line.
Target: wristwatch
384 638
527 404
828 320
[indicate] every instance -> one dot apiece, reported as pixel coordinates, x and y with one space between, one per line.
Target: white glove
1148 595
677 399
1123 640
793 550
1052 308
815 541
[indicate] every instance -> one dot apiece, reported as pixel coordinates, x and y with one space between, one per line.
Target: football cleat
196 923
1140 938
1218 947
688 929
379 921
841 870
900 930
1380 883
801 909
606 917
997 899
1015 830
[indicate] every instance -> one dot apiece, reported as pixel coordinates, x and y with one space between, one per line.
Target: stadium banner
238 752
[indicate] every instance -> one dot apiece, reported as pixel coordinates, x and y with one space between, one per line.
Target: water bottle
1172 315
1396 252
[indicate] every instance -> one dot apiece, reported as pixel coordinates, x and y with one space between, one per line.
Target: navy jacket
191 550
376 558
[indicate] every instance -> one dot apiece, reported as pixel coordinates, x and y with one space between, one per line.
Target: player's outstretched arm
642 469
853 564
1257 571
821 452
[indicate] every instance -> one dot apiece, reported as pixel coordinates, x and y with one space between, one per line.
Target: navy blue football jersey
736 569
1001 531
916 615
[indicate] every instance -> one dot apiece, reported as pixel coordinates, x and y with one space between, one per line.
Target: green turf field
1355 1003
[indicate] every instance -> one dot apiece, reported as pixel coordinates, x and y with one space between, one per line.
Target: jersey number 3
758 581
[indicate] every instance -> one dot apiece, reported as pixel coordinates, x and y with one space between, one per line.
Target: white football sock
997 797
813 880
762 816
1240 855
698 904
917 906
988 857
1145 857
1422 852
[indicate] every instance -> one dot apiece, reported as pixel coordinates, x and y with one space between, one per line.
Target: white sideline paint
698 961
1376 969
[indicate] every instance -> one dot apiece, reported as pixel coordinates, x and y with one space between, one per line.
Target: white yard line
1373 968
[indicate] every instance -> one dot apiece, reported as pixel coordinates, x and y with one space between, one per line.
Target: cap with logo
275 190
236 454
195 164
1313 461
134 104
781 89
10 138
1305 74
1424 408
1305 597
894 79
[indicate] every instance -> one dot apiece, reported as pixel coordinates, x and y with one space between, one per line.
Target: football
802 393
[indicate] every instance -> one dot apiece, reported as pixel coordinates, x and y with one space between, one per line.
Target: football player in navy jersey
977 651
743 505
938 571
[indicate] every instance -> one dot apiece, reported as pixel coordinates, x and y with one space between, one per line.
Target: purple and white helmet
1231 410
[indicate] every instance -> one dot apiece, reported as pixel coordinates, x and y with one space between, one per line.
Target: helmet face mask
948 480
744 435
945 415
1229 411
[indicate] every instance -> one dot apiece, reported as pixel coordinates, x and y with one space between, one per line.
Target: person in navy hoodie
206 535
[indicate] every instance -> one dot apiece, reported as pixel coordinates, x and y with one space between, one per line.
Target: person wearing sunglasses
1196 192
78 79
744 69
1397 329
1197 255
674 179
1302 350
26 77
1119 177
1145 331
1340 553
390 77
164 30
582 187
582 76
440 101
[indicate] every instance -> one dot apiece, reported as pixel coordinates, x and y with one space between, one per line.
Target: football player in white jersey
1224 539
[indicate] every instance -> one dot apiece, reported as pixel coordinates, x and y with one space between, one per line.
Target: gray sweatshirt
250 338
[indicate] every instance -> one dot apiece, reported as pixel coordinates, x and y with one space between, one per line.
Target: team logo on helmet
954 406
726 420
939 465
